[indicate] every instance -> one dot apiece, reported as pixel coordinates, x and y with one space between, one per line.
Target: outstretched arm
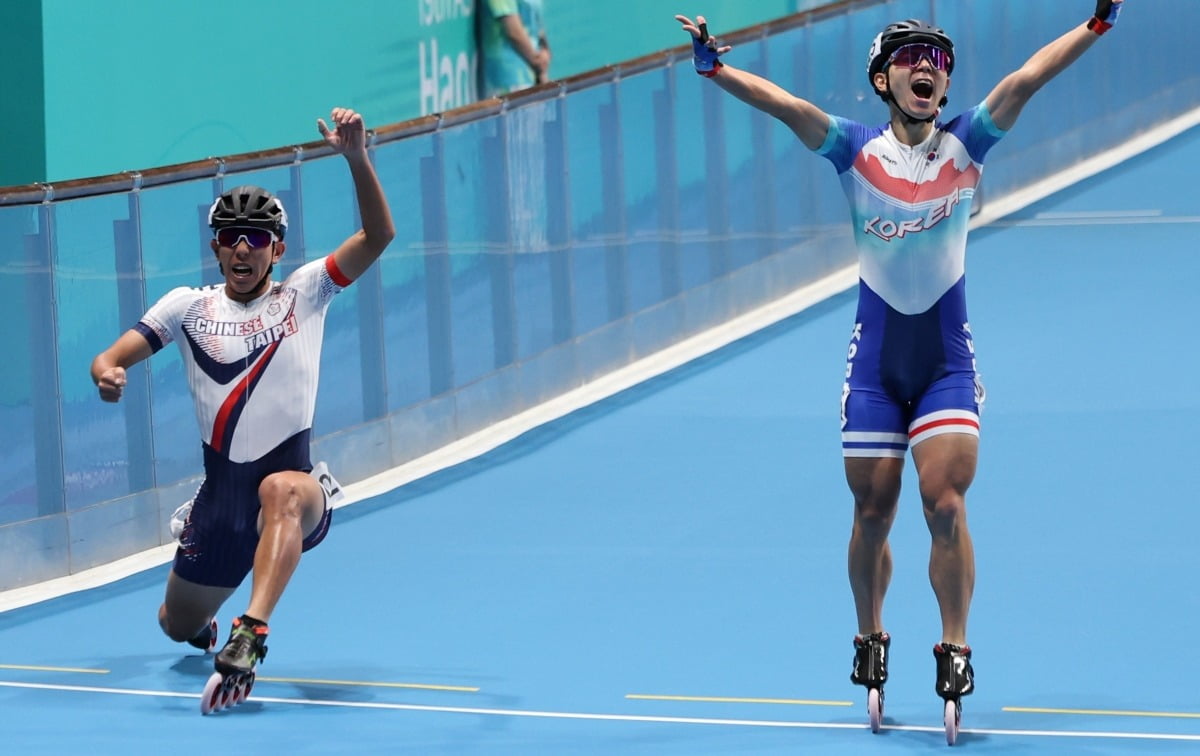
357 253
809 123
1010 95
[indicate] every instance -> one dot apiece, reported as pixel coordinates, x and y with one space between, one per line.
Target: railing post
131 305
612 181
667 170
558 235
43 367
437 270
498 246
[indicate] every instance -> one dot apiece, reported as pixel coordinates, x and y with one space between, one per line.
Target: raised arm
809 123
1010 95
362 248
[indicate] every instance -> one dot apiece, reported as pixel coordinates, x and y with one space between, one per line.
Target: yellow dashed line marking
35 668
1103 712
730 699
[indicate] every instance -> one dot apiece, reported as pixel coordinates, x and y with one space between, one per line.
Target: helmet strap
909 119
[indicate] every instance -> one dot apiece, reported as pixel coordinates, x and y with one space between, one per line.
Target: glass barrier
542 241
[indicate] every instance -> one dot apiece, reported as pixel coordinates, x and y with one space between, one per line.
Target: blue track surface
576 590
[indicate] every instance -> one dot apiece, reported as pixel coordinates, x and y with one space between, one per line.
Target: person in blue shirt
513 49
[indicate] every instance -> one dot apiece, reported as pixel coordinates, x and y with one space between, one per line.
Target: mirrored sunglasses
231 236
910 56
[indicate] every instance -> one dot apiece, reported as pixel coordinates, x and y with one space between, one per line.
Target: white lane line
1099 214
1010 203
1099 220
613 717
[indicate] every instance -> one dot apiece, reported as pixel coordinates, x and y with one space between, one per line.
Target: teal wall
588 35
132 84
23 150
103 86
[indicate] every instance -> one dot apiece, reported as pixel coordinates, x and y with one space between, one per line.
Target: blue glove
704 53
1106 15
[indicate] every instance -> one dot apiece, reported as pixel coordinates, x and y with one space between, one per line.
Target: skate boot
955 679
230 685
206 640
870 671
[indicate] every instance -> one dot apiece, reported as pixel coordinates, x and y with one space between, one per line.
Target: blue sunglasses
231 236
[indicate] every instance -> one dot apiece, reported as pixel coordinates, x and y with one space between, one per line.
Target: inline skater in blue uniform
251 352
911 378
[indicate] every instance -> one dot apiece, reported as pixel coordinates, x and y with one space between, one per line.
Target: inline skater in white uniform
251 351
911 380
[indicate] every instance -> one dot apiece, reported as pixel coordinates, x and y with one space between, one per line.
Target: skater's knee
279 493
177 628
946 515
289 494
171 629
873 516
876 498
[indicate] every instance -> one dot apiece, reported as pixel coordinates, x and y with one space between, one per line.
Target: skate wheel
875 708
238 693
210 699
950 718
228 697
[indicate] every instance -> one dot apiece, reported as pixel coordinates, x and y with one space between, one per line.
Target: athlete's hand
1106 15
348 135
705 51
111 384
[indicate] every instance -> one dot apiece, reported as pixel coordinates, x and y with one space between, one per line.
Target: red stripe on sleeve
335 273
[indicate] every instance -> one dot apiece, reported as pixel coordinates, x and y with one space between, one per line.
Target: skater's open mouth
923 88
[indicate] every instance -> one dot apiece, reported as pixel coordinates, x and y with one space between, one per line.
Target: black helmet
249 206
901 33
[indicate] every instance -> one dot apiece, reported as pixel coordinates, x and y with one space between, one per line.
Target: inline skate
955 679
870 671
235 666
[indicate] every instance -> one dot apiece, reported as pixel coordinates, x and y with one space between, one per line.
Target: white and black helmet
249 206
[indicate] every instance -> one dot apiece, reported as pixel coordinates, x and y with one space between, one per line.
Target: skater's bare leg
188 607
875 484
946 468
292 506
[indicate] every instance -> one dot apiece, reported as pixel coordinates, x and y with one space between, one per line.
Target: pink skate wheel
875 708
210 699
951 719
